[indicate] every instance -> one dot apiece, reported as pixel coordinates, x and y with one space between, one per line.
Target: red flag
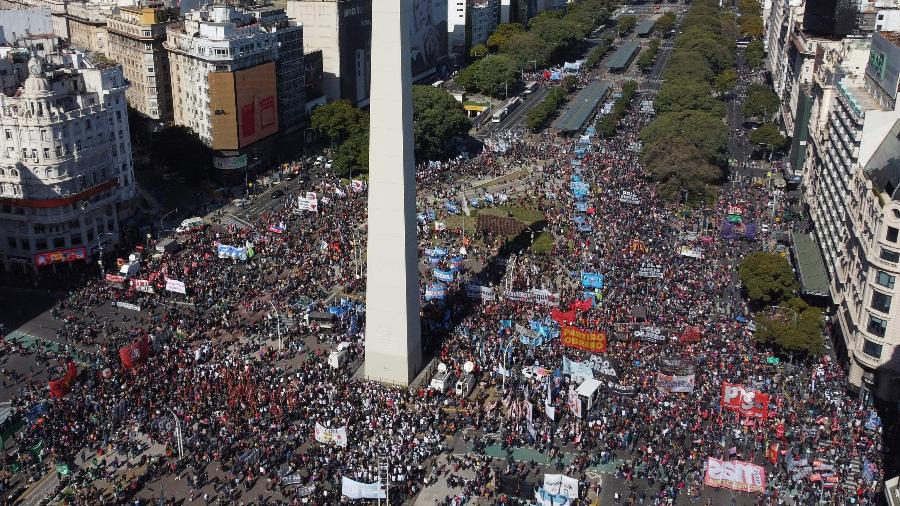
582 305
562 317
691 334
135 353
60 387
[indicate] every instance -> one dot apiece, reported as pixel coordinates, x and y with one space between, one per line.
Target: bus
513 103
530 87
499 114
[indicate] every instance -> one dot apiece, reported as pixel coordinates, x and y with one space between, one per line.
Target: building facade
469 23
66 178
223 77
136 37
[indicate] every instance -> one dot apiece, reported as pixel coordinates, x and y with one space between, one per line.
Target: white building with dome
66 177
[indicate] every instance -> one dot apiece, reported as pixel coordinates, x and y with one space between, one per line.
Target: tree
688 65
179 149
769 137
626 23
752 26
725 81
705 131
761 102
767 279
754 53
665 23
687 95
338 120
478 51
794 327
502 35
678 166
491 75
438 119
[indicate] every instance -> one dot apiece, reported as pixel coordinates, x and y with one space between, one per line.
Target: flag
135 353
562 317
60 387
582 305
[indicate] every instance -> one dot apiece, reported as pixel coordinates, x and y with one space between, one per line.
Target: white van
464 385
337 359
189 225
440 381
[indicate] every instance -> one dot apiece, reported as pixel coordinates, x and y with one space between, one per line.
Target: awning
808 257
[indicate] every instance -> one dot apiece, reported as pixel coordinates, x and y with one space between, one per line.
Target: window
40 244
891 235
46 153
890 256
8 135
884 279
12 242
59 242
871 349
881 302
877 326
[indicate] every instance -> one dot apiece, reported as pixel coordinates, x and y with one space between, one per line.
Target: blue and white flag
437 252
581 207
456 263
591 280
445 276
579 369
436 291
452 207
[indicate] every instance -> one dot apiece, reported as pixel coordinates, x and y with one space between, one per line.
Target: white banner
173 285
629 197
142 285
675 383
575 368
127 305
691 252
331 436
358 490
305 204
648 270
534 296
560 484
480 292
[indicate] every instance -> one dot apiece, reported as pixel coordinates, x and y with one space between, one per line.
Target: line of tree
645 61
540 115
607 125
438 120
751 25
598 52
514 48
685 145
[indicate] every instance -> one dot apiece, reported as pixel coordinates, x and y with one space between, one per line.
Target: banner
173 285
544 498
480 292
337 436
735 475
436 291
534 296
308 203
614 387
746 402
562 317
114 278
358 490
126 305
437 251
560 484
648 270
582 305
591 280
60 387
604 366
135 353
356 186
687 251
674 383
445 276
578 369
691 334
142 285
586 340
233 252
629 197
650 334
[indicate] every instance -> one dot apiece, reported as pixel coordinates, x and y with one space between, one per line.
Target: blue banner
581 207
338 310
543 329
532 341
436 291
437 251
445 276
505 324
591 280
452 207
456 263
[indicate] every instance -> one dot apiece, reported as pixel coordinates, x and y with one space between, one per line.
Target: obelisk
393 330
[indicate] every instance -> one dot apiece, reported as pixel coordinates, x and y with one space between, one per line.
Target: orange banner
587 340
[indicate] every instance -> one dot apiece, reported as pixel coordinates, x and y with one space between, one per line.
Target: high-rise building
135 40
469 23
223 75
66 178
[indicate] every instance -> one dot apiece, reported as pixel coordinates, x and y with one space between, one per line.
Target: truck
168 245
464 385
440 381
190 225
530 87
337 358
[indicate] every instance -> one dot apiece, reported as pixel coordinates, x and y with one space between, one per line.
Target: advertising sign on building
60 256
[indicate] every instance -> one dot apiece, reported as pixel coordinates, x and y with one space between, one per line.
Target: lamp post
162 219
504 371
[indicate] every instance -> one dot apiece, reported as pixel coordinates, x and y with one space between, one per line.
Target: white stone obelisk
393 329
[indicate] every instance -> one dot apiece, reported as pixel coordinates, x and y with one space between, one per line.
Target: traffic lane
22 305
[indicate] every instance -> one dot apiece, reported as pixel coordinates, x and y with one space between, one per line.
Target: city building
342 30
16 24
86 24
135 40
223 76
469 23
66 180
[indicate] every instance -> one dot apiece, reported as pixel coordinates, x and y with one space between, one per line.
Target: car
277 194
240 202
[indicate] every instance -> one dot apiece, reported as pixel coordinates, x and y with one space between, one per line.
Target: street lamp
179 435
162 219
503 370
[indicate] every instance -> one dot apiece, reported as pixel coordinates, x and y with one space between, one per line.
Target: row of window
43 243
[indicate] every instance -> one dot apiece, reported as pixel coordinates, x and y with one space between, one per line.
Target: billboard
355 46
428 36
257 106
884 64
60 256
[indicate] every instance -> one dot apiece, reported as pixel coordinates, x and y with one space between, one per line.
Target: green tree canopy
705 131
625 23
689 65
502 35
768 137
490 75
679 166
665 22
338 120
761 102
687 95
754 53
793 327
767 279
438 119
725 81
478 51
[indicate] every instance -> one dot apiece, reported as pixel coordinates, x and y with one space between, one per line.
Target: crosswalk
230 219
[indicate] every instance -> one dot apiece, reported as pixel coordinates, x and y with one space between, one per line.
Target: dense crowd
207 360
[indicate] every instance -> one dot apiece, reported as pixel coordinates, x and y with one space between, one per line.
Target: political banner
142 285
675 383
135 353
577 369
173 285
356 186
734 475
543 329
691 334
562 317
591 280
650 334
648 270
445 276
452 207
358 490
544 498
560 484
305 204
277 228
581 206
746 402
233 252
437 251
337 437
126 305
534 296
480 292
436 291
59 388
582 305
456 263
604 366
614 387
688 251
574 337
629 197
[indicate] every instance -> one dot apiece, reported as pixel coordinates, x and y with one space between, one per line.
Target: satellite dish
343 346
468 366
442 367
132 257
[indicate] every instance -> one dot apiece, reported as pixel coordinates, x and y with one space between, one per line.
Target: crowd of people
202 373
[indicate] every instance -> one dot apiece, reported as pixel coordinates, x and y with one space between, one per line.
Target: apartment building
469 23
135 40
66 179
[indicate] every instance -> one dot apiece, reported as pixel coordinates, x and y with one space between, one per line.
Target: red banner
562 317
135 353
574 337
582 305
735 474
691 335
60 387
746 402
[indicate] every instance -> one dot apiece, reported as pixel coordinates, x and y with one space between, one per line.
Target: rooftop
883 168
581 107
645 26
622 57
813 279
892 37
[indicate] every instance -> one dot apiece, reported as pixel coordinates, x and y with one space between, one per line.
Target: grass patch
523 214
543 244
